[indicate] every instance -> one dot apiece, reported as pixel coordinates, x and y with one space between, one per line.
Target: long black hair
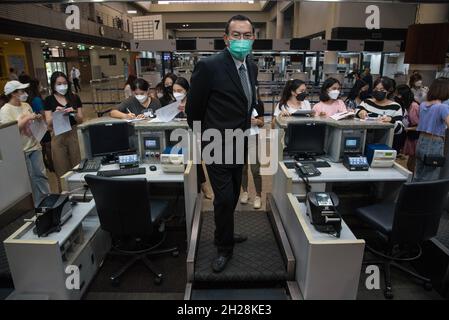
290 85
69 94
407 96
329 82
355 91
130 80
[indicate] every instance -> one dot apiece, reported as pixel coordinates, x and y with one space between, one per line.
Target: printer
53 211
172 160
380 155
322 212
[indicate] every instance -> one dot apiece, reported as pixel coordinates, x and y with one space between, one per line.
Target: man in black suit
222 96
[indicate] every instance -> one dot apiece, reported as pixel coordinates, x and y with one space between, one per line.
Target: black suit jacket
216 96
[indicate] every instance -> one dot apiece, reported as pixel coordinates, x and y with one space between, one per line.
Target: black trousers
76 84
225 181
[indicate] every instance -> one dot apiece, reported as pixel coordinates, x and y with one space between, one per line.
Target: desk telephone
306 170
91 165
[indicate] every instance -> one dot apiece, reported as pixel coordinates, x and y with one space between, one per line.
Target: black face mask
364 95
379 95
169 89
302 96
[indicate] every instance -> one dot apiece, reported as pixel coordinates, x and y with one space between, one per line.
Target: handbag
434 160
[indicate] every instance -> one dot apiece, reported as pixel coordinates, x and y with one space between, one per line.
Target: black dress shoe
219 263
238 238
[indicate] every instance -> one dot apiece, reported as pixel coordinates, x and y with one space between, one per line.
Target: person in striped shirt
381 106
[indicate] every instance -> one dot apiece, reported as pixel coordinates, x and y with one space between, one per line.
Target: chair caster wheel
158 281
175 253
428 286
115 282
388 294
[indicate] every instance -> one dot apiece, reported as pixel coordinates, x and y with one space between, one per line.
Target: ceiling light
112 48
132 11
103 48
71 48
18 39
42 41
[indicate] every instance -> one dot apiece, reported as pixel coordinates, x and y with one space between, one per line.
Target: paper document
169 112
61 122
155 120
38 128
135 120
343 115
254 129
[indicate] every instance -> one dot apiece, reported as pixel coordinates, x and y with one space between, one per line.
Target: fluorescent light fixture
209 1
18 39
42 41
63 43
132 11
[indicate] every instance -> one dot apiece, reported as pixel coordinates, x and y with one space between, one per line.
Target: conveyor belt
256 260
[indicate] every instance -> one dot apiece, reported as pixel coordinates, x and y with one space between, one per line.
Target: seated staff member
293 99
329 103
16 109
137 105
359 93
433 122
180 89
167 85
380 106
65 149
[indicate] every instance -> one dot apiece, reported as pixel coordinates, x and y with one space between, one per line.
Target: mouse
153 168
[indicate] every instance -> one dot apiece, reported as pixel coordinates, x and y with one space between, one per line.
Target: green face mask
240 48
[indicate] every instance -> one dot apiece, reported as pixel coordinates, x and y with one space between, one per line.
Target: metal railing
107 93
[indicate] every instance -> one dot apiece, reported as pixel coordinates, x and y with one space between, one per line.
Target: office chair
133 220
413 219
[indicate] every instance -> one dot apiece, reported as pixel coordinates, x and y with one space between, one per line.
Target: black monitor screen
305 139
263 44
109 138
337 45
185 44
219 44
374 46
300 44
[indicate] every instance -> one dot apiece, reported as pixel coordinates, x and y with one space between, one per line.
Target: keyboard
121 172
316 164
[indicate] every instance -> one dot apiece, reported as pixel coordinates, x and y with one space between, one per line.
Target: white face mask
179 96
333 94
23 97
141 97
160 95
62 89
418 83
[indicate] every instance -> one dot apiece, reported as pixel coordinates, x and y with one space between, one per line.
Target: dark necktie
245 84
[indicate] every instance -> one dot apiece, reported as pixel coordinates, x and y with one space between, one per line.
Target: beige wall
433 13
109 70
312 18
177 17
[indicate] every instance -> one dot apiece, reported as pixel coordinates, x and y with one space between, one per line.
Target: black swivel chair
413 219
133 220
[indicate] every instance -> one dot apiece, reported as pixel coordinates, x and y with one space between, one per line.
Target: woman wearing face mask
404 96
293 99
329 103
180 89
64 147
359 93
167 83
433 122
139 105
380 106
419 91
16 109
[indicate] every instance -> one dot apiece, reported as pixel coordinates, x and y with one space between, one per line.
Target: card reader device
53 211
380 155
128 161
322 212
172 160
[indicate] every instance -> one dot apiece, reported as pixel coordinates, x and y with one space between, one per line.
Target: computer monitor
305 140
109 138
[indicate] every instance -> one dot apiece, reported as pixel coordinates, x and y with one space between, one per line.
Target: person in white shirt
75 75
16 109
293 99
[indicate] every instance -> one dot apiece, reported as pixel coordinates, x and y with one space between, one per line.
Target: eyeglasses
238 35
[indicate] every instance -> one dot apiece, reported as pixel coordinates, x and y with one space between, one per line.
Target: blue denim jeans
38 176
427 146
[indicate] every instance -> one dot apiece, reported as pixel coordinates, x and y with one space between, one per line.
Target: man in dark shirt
368 78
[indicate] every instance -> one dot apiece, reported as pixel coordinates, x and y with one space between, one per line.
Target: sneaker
244 198
257 202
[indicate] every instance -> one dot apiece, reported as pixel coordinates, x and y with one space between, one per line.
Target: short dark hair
141 84
238 17
439 89
180 81
11 69
329 82
388 84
